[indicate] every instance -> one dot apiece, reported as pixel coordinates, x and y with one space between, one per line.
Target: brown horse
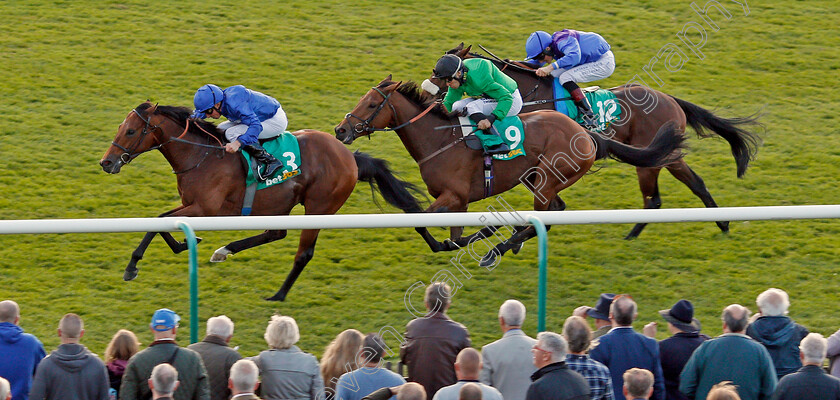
212 182
644 111
558 153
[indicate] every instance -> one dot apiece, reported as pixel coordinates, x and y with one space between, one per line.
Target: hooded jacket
71 372
781 337
21 354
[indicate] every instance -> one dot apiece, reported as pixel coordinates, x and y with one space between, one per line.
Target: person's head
164 323
207 101
244 377
577 333
343 350
813 348
723 391
638 383
512 314
537 46
549 349
411 391
735 318
373 348
470 391
680 317
9 312
438 297
164 380
71 328
123 345
623 310
220 326
468 364
450 68
5 390
773 302
282 332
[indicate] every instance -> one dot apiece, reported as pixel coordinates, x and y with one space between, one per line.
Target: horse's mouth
344 135
111 167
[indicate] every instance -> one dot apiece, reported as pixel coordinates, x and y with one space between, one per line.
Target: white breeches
272 127
588 72
486 106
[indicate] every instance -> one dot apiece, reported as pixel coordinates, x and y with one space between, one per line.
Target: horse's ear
387 79
398 85
466 51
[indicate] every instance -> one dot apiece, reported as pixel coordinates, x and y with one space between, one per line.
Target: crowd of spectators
761 356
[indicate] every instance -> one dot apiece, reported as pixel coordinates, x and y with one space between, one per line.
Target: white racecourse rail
351 221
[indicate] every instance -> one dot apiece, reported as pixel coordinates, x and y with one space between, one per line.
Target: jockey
578 57
494 95
251 116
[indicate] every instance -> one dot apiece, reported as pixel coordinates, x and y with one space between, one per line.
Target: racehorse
454 174
644 111
212 182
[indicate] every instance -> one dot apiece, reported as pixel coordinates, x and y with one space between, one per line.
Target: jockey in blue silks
251 116
578 57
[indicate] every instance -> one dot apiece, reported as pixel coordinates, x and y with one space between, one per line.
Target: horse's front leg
131 269
446 202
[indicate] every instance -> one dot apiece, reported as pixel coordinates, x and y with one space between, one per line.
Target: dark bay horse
212 182
453 173
644 111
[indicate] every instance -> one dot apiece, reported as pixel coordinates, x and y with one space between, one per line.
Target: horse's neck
187 158
420 138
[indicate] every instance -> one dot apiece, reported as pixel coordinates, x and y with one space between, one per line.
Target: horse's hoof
449 245
198 240
130 274
724 226
220 255
516 249
489 259
279 296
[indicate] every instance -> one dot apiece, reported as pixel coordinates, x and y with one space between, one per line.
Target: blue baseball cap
164 320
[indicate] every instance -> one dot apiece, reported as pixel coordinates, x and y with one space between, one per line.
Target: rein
364 125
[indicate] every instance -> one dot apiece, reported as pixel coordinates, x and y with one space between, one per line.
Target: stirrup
498 149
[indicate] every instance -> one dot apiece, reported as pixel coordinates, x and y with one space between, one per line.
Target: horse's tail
396 192
744 143
661 151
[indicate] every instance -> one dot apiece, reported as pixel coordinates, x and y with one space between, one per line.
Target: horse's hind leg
235 247
137 255
686 175
306 249
649 185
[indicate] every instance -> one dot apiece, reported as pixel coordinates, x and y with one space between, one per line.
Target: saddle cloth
604 104
286 149
511 130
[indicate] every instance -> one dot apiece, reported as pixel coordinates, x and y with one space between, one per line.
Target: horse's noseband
129 153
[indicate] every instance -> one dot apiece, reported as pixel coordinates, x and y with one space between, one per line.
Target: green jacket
192 376
730 357
482 78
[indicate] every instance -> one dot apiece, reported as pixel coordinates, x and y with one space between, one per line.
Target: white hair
814 348
282 332
773 302
555 343
244 375
220 326
513 312
164 377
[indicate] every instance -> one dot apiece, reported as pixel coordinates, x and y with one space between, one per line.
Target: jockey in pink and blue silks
578 57
251 116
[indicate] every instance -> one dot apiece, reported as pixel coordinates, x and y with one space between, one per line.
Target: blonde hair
724 391
282 332
343 350
123 345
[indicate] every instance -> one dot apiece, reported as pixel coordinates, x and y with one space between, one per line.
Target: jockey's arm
503 97
571 54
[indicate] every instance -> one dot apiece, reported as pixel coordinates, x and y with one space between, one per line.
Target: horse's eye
372 105
130 132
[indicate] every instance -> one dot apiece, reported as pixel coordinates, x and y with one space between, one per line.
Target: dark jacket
116 369
71 372
21 354
811 382
430 347
191 373
674 352
781 337
218 358
557 382
622 349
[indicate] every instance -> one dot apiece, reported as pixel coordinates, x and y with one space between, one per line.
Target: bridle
363 126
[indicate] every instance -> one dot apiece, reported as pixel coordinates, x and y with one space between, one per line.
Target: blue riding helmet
205 98
536 44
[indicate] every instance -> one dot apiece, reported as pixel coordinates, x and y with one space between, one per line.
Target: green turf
72 71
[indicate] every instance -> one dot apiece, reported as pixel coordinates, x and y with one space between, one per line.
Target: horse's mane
412 91
181 114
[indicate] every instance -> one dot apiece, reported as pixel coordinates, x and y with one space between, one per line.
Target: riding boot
499 148
584 108
269 164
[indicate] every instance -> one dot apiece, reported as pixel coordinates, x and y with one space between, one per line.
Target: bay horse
644 111
454 173
211 182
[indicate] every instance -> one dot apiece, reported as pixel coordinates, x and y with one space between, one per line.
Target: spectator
432 342
833 353
287 372
407 391
192 376
244 380
577 334
217 356
638 384
623 348
340 357
71 371
467 369
470 391
600 313
723 391
811 382
777 332
21 351
732 357
554 380
675 351
163 381
506 363
369 377
5 390
123 345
